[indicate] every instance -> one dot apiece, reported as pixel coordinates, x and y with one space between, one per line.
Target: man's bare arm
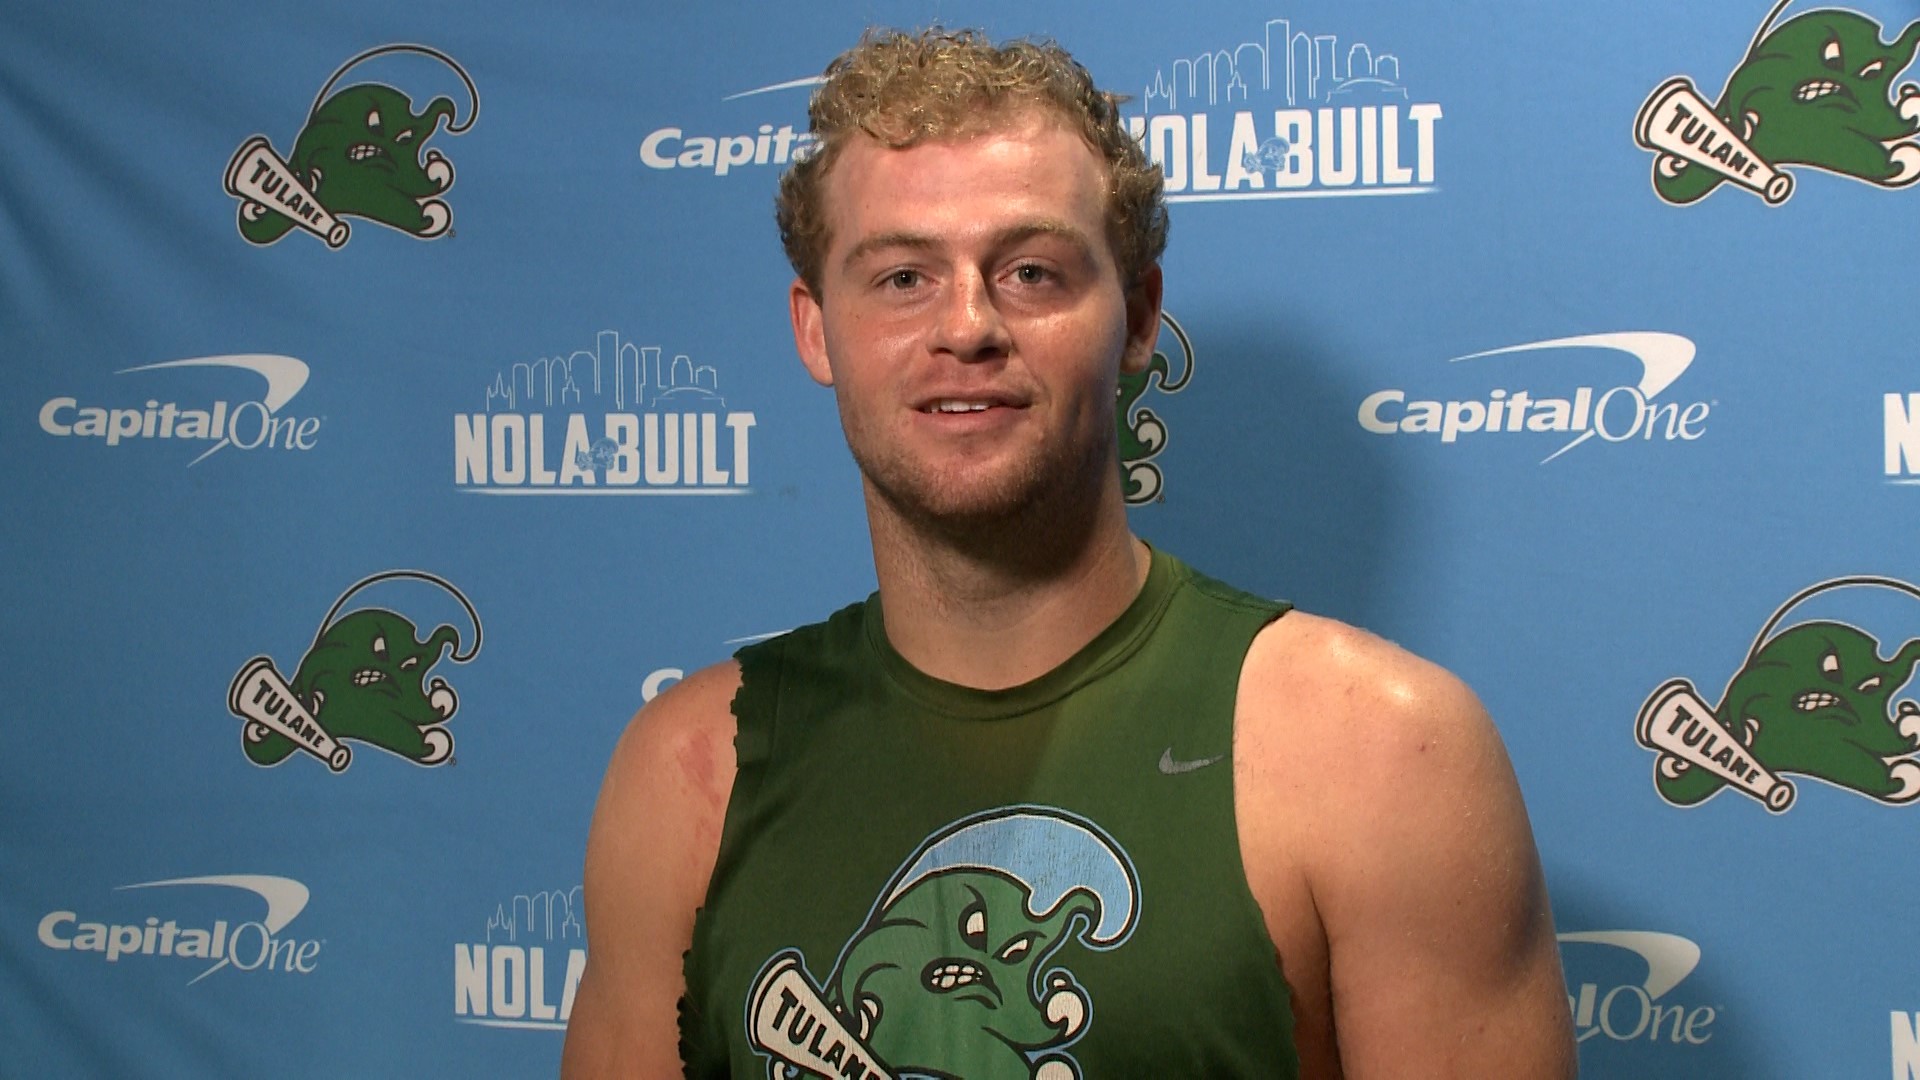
1406 820
650 854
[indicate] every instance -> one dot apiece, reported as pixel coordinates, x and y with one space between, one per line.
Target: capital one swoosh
1663 359
285 897
284 374
1670 958
753 638
795 84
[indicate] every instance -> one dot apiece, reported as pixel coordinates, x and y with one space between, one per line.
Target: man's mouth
965 401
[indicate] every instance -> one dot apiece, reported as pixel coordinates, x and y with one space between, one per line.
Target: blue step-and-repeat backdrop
397 396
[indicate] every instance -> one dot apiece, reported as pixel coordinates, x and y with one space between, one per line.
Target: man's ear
809 331
1143 320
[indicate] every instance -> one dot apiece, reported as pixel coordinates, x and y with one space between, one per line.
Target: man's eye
1030 274
904 279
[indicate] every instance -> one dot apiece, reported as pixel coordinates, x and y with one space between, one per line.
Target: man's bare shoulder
650 855
1339 694
674 737
1375 792
666 788
1344 744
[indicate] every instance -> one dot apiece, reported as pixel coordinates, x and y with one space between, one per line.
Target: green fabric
965 862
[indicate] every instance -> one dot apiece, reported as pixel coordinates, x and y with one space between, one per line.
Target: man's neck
992 615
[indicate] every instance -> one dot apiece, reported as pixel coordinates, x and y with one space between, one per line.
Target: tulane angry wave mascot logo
1815 699
950 974
1142 434
364 679
1817 91
359 155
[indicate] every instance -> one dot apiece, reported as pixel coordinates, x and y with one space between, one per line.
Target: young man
1050 804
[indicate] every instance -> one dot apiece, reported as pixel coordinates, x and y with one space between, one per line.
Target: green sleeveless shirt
920 879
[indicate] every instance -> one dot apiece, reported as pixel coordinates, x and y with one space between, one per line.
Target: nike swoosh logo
1174 768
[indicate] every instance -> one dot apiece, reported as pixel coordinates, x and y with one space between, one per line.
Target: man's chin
972 499
1018 501
962 507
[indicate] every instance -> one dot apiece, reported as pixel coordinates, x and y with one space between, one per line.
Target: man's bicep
1440 939
624 1020
622 1027
650 854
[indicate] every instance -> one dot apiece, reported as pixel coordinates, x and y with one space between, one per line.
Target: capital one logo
1623 1011
257 944
248 424
1641 410
712 153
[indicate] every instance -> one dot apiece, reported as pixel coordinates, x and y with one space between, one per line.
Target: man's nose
970 325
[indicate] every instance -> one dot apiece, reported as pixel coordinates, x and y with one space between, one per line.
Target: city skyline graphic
619 374
1310 68
548 915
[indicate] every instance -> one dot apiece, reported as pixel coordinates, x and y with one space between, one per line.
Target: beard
1034 498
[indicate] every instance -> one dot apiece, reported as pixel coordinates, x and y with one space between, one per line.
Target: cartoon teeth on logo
357 156
948 975
1813 700
362 679
1816 91
1142 434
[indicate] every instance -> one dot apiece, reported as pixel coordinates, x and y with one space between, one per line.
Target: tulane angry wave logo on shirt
950 974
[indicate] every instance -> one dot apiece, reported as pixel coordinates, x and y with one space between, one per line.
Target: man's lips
961 404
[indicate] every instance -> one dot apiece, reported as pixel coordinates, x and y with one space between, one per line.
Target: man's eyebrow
881 241
1052 227
1013 234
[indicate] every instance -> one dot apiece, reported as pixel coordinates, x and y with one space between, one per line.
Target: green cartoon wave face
365 679
1819 90
947 976
360 155
1817 701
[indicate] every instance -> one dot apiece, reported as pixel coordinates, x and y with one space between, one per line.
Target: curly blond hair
903 89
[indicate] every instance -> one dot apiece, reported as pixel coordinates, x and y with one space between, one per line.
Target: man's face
972 320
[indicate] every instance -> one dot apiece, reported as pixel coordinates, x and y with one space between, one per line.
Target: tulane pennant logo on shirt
948 976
